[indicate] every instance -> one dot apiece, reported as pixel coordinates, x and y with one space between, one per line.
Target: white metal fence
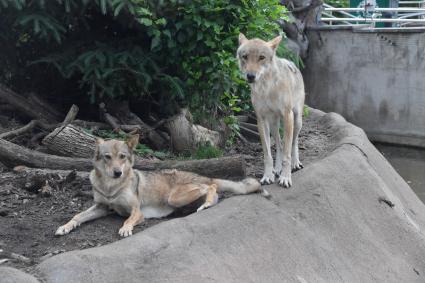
369 14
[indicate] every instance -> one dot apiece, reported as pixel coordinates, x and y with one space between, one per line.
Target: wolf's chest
121 203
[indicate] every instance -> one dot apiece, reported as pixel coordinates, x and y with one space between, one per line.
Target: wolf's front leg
288 120
94 212
264 131
135 218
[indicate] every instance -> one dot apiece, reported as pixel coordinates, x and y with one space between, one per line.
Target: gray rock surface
333 225
12 275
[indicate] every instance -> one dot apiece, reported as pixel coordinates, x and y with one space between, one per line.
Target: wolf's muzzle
117 173
250 77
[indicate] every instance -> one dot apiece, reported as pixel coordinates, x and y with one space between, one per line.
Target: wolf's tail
246 186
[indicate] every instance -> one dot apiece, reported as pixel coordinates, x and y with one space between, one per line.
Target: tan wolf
277 92
129 192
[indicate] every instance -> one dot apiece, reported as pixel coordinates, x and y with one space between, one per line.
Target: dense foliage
171 52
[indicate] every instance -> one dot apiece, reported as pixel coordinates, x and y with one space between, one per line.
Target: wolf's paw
296 165
277 171
65 229
267 179
126 230
285 182
204 206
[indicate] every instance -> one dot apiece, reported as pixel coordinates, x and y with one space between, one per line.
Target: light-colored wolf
129 192
277 93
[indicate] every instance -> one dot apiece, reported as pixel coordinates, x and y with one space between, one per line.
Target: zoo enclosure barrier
368 14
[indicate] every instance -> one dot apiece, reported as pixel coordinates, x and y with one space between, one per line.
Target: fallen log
249 134
250 126
13 155
33 107
91 124
123 113
16 132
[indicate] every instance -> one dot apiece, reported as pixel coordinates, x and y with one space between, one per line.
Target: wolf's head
115 158
255 56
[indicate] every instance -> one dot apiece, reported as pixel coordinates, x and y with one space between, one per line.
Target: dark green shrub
174 52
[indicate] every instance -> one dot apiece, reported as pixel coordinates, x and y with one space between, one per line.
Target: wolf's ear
99 141
132 142
274 43
242 39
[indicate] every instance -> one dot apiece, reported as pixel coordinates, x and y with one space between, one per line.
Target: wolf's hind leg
211 198
279 149
185 194
298 122
94 212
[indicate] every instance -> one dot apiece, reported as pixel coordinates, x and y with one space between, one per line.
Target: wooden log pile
67 145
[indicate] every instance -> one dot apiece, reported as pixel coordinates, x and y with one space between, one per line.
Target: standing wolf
137 194
277 92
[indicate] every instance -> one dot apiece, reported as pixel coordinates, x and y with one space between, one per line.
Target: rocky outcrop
348 218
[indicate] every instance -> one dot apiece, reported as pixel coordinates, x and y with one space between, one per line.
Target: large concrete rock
330 227
12 275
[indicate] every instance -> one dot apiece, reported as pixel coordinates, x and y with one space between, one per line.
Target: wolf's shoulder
284 63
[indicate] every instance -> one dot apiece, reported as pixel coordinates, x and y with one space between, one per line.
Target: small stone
4 212
58 252
46 190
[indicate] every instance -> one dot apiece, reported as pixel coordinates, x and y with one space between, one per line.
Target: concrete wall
376 80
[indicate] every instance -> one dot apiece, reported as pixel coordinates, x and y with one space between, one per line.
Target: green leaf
102 4
161 21
145 21
155 42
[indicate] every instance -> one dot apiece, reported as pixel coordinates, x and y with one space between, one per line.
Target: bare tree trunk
304 13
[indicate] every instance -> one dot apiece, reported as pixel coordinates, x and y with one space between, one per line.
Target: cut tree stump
13 155
186 136
70 141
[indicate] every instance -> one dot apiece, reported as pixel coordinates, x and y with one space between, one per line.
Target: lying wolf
137 194
277 93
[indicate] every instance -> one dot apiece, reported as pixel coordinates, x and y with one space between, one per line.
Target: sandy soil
28 220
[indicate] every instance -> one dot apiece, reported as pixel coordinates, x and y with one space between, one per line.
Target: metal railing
370 15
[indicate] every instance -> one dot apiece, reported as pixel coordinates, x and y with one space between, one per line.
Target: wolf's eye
262 57
107 156
122 156
245 57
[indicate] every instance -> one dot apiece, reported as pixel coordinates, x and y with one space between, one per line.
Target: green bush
206 151
173 52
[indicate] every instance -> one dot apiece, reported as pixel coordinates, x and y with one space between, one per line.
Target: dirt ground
28 220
